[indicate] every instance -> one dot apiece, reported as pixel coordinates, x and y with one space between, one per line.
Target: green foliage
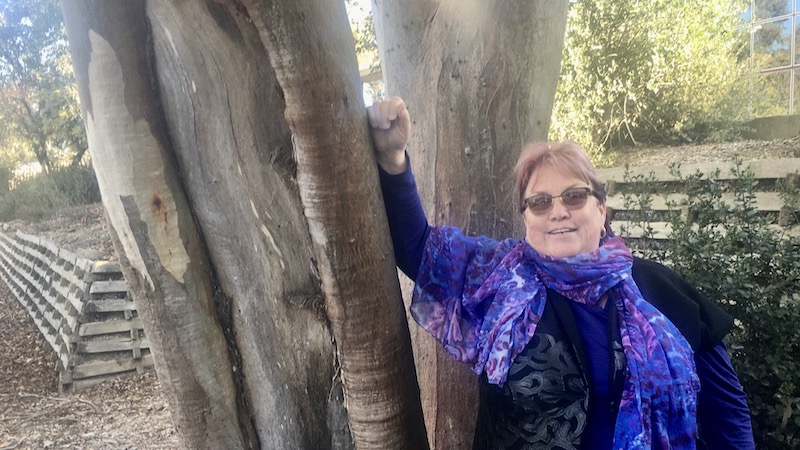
35 197
732 253
657 71
38 97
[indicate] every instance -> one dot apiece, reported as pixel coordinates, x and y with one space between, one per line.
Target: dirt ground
130 412
123 413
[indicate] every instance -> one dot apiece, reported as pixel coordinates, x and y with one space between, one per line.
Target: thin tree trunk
479 77
312 52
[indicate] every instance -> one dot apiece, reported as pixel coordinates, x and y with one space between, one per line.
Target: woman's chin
560 247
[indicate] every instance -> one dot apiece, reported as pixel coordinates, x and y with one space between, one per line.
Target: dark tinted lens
575 197
539 203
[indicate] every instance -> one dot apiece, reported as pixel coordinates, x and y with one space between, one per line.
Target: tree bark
195 167
150 220
314 58
257 330
479 78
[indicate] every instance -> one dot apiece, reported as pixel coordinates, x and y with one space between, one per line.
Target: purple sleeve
407 222
722 412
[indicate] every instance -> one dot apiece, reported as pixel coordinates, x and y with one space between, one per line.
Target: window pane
747 15
796 41
772 43
765 9
771 96
796 92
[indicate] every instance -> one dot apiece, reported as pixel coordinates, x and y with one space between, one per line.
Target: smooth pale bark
312 52
479 78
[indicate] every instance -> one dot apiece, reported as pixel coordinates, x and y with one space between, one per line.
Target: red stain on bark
157 207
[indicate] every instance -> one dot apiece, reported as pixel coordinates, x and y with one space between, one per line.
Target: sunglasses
573 198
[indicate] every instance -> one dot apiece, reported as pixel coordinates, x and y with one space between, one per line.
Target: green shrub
36 196
733 254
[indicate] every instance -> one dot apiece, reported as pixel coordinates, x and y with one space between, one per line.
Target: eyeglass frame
588 190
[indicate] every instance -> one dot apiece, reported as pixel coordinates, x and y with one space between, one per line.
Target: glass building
774 31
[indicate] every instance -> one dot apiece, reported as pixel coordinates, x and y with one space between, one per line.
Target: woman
577 344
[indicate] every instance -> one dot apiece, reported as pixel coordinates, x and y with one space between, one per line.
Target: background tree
362 25
230 145
659 71
38 98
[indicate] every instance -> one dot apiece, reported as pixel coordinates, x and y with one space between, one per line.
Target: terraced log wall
82 308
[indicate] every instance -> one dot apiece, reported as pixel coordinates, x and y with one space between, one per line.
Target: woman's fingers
383 112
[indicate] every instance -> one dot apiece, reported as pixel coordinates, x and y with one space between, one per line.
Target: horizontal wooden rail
762 169
624 203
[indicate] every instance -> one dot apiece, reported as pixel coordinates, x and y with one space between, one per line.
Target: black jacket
545 400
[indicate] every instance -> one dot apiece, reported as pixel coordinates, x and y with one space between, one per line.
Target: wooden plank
111 326
662 230
108 287
764 201
27 238
68 275
109 305
77 303
110 345
106 267
65 254
96 369
763 169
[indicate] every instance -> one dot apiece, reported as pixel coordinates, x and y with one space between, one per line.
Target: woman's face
562 232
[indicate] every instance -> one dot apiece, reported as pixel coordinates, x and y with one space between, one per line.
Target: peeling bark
224 110
194 163
151 221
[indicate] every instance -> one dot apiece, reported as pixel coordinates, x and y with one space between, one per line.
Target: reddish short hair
566 157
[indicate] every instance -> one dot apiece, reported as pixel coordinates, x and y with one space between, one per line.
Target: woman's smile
562 231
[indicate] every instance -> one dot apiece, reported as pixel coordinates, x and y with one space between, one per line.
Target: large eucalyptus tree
233 156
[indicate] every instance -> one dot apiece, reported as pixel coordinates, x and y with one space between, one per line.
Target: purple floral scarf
482 299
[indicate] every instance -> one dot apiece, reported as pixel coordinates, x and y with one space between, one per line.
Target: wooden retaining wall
81 307
766 172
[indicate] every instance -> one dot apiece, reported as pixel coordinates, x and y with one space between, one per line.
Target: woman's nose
559 211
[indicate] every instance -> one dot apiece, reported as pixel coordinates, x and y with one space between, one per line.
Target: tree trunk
150 219
185 124
313 54
34 132
479 78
